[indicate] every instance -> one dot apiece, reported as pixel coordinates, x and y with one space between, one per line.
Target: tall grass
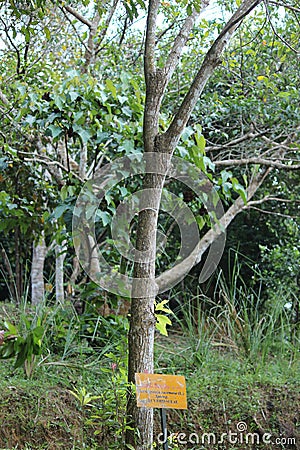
239 318
196 325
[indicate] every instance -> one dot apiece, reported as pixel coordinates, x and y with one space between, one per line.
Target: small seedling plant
22 342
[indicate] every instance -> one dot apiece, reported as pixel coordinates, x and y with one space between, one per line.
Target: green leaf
38 333
73 95
200 221
104 217
7 350
64 192
84 134
239 189
225 175
189 9
22 355
59 211
54 131
11 328
161 307
161 324
208 162
110 86
47 33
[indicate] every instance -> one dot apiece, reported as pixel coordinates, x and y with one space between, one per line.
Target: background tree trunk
60 255
37 270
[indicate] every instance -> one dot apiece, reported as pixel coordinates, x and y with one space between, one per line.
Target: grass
228 381
223 390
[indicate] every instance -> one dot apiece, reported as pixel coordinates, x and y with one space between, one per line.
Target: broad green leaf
208 163
58 100
200 221
84 133
54 131
201 142
64 192
110 86
161 307
59 211
104 217
11 328
161 324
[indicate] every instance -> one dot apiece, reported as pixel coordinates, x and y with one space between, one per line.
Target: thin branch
285 5
273 213
13 45
179 43
123 31
261 161
162 33
271 199
74 28
249 135
266 3
78 16
49 162
91 48
211 60
176 273
149 55
107 22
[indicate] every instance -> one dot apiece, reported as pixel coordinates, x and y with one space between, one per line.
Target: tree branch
211 60
149 54
48 162
261 161
73 26
244 137
179 43
266 3
176 273
285 5
3 98
268 198
6 30
273 213
78 16
107 22
154 81
90 47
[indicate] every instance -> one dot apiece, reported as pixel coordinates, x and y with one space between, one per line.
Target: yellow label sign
160 391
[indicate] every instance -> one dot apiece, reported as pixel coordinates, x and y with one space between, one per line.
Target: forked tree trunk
142 319
37 270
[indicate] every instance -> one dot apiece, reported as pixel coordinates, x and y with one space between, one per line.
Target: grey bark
37 270
142 322
60 255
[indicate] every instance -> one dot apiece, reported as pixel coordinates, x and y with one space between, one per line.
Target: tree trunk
142 322
142 319
37 270
19 280
60 255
